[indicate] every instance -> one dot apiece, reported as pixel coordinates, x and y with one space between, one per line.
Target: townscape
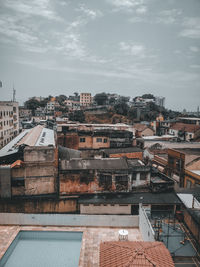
98 164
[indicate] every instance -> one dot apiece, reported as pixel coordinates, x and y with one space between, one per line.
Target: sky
129 47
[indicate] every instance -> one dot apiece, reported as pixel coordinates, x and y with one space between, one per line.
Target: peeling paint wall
72 183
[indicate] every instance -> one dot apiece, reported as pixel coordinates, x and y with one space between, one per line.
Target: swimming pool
43 248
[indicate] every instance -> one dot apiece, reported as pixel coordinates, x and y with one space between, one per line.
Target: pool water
43 248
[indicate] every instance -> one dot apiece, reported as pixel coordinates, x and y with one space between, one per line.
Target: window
105 179
17 182
123 178
105 140
99 140
82 139
143 176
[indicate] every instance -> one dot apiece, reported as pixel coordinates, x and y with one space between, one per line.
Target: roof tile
130 254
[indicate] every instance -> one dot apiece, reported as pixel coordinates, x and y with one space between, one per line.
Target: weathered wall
39 186
5 181
72 183
97 145
38 173
88 142
105 209
39 154
39 206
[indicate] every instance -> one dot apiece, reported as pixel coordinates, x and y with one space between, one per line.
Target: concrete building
29 164
52 104
128 203
95 136
79 176
189 120
142 130
85 99
9 121
183 131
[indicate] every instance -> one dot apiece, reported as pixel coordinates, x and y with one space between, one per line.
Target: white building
9 121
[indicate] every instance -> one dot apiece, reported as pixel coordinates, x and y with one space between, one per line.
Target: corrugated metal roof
12 146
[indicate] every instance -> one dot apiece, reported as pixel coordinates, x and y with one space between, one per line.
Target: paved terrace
92 237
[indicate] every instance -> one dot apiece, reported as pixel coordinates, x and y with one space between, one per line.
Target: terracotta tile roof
133 254
140 127
191 128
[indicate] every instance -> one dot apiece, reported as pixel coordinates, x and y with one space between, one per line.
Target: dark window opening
17 182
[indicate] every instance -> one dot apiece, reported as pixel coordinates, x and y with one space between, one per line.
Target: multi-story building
52 104
85 99
9 121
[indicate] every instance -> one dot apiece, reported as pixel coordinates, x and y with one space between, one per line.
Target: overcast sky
129 47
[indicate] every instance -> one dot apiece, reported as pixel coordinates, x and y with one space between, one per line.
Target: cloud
52 66
129 5
191 28
126 3
141 10
170 16
194 49
132 49
13 31
92 14
40 8
137 19
195 66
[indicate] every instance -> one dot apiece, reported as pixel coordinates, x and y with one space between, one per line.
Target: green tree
61 99
132 113
101 99
43 102
32 104
77 115
121 108
148 96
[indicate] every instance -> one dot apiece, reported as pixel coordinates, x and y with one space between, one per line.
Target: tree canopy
77 115
101 99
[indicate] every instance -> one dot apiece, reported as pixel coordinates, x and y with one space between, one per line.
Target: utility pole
14 94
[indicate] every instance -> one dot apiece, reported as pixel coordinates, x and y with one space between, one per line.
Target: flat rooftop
130 198
92 237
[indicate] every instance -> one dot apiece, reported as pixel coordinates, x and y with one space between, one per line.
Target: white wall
145 226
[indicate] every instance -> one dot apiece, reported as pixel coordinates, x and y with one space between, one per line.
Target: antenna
14 93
